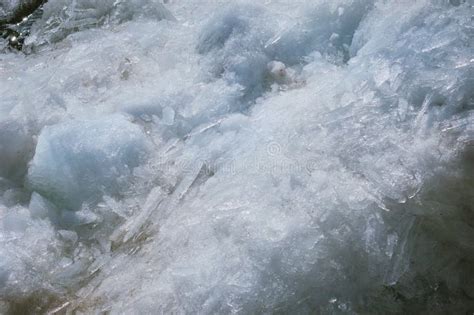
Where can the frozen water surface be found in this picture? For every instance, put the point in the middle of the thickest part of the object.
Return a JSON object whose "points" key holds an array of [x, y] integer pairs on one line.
{"points": [[204, 157]]}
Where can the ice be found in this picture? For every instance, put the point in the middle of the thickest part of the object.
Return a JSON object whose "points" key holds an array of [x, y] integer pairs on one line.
{"points": [[327, 29], [8, 8], [79, 161], [30, 261], [279, 73], [41, 208], [16, 148], [168, 116], [211, 157], [63, 17], [132, 228]]}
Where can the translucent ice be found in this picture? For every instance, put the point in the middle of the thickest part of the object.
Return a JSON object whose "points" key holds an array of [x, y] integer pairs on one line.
{"points": [[270, 157], [16, 148], [79, 161], [63, 17]]}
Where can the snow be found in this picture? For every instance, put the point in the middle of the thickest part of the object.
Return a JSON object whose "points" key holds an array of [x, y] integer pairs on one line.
{"points": [[213, 157]]}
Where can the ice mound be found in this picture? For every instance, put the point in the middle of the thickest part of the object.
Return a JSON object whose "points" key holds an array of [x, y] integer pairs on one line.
{"points": [[33, 266], [63, 17], [232, 40], [327, 28], [243, 39], [79, 161], [283, 157]]}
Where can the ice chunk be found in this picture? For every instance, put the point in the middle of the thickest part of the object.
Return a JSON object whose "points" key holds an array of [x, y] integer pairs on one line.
{"points": [[233, 39], [41, 208], [16, 220], [16, 148], [63, 17], [168, 116], [29, 246], [133, 227], [322, 29], [324, 198], [233, 21], [69, 237], [74, 219], [78, 161]]}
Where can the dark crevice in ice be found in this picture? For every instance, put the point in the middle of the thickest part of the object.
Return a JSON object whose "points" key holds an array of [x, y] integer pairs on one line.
{"points": [[17, 27]]}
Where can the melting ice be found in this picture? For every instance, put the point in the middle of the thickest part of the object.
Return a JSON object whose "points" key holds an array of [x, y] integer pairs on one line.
{"points": [[307, 157]]}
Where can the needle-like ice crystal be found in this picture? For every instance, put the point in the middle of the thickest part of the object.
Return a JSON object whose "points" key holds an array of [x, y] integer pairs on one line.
{"points": [[215, 157]]}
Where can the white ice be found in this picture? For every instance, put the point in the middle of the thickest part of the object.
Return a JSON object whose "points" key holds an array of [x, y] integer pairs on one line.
{"points": [[201, 157]]}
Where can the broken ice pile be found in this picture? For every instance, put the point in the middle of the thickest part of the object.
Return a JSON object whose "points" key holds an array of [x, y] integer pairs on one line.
{"points": [[303, 157]]}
